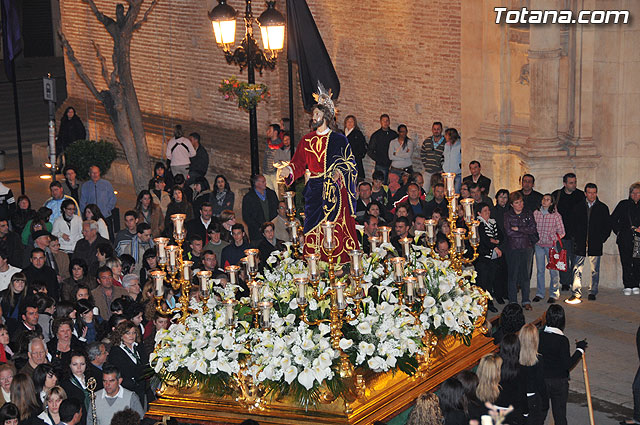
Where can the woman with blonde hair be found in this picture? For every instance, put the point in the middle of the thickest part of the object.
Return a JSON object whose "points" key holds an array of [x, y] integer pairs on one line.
{"points": [[52, 400], [532, 369], [489, 378], [426, 411]]}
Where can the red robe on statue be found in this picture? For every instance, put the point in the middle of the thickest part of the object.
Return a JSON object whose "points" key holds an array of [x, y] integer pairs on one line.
{"points": [[326, 197]]}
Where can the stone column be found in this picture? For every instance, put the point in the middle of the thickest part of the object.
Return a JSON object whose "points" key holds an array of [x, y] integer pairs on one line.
{"points": [[544, 63]]}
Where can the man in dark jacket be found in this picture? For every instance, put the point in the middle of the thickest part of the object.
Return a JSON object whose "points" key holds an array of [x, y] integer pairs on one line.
{"points": [[11, 243], [590, 227], [200, 162], [259, 205], [379, 146], [565, 200]]}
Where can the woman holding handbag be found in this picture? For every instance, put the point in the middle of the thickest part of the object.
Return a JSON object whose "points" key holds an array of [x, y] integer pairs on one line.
{"points": [[550, 230]]}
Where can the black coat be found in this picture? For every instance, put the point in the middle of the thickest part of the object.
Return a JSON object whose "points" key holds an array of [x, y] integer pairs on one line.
{"points": [[565, 205], [253, 215], [589, 231], [483, 181], [358, 143], [44, 274], [379, 146], [625, 215], [12, 245], [131, 372], [77, 393], [70, 131], [195, 227]]}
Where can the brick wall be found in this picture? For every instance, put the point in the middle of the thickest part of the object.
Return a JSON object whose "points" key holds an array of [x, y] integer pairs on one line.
{"points": [[390, 57]]}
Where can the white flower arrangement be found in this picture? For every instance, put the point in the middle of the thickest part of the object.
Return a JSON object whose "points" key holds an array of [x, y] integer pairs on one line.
{"points": [[380, 332]]}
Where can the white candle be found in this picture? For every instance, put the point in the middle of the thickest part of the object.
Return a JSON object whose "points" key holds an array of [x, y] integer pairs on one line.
{"points": [[186, 270], [265, 313], [172, 254], [356, 258], [410, 282], [251, 254], [327, 229], [459, 239], [161, 244], [255, 294], [340, 302], [449, 183], [474, 237], [406, 247], [204, 276], [312, 264], [384, 231], [233, 274], [178, 222], [158, 276], [374, 241], [302, 290], [229, 312], [421, 289], [398, 268], [289, 196], [467, 204], [454, 202]]}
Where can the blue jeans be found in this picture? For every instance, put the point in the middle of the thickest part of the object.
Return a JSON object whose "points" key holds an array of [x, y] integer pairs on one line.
{"points": [[458, 182], [578, 265], [518, 263], [385, 171], [542, 258]]}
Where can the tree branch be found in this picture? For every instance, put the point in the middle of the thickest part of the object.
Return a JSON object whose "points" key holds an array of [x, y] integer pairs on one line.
{"points": [[99, 15], [103, 62], [146, 16], [78, 67]]}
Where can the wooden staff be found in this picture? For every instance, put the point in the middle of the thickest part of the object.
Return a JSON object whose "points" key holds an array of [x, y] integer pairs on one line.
{"points": [[587, 387]]}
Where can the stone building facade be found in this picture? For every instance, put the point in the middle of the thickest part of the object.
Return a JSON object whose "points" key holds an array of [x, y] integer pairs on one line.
{"points": [[544, 99]]}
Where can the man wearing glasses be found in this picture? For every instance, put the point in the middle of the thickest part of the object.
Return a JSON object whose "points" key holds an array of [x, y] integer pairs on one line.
{"points": [[68, 226]]}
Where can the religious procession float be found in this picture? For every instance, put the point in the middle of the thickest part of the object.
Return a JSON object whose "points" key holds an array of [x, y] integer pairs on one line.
{"points": [[327, 333]]}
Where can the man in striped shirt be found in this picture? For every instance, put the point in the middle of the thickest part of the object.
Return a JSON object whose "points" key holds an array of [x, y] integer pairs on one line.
{"points": [[432, 151]]}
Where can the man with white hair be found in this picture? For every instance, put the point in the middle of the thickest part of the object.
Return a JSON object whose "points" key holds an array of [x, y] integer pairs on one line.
{"points": [[86, 248], [37, 355]]}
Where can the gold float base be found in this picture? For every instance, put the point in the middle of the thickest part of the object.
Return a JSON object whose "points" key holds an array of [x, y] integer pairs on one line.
{"points": [[386, 394]]}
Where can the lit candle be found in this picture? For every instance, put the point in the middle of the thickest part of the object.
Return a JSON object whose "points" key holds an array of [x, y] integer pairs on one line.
{"points": [[467, 204], [410, 283], [341, 304], [474, 237], [229, 310], [173, 250], [178, 223], [265, 313], [161, 244], [327, 229], [430, 227], [356, 262], [406, 247], [254, 288], [233, 274], [449, 183], [459, 239], [312, 264], [454, 202], [186, 270], [204, 276], [302, 290], [158, 276], [374, 241], [252, 263], [398, 268], [289, 197], [292, 228], [421, 289], [384, 232]]}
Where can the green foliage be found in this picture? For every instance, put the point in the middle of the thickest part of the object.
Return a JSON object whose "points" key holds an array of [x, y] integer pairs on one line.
{"points": [[82, 154]]}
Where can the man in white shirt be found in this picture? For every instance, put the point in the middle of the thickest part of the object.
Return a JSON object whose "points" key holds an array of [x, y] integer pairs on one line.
{"points": [[6, 270], [113, 397], [179, 152]]}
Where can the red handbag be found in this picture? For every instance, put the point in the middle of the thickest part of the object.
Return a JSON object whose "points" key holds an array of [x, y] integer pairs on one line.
{"points": [[557, 258]]}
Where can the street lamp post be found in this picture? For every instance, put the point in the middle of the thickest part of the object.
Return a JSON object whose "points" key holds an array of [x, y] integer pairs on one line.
{"points": [[248, 54]]}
